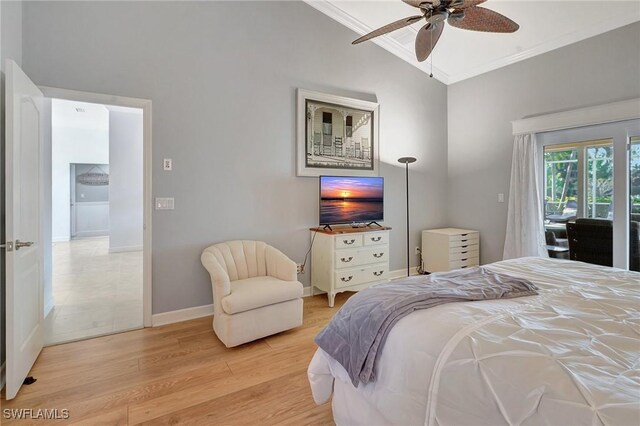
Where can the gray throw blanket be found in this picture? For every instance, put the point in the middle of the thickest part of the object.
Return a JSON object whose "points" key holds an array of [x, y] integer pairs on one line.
{"points": [[356, 334]]}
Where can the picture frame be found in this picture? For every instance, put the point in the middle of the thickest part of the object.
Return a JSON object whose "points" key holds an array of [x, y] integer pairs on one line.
{"points": [[336, 135]]}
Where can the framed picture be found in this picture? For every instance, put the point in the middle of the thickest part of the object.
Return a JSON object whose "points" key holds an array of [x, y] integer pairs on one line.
{"points": [[336, 135]]}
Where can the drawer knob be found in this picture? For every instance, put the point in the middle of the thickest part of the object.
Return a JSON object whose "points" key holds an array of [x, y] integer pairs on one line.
{"points": [[347, 259], [463, 260], [464, 235], [348, 242], [378, 273], [376, 239], [464, 241], [378, 255], [346, 279], [463, 266], [463, 252], [465, 246]]}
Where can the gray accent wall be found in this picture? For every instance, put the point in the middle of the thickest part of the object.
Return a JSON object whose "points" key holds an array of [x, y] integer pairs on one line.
{"points": [[222, 77], [10, 48], [595, 71]]}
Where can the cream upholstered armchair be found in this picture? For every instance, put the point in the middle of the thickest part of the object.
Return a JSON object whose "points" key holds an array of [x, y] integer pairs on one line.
{"points": [[255, 291]]}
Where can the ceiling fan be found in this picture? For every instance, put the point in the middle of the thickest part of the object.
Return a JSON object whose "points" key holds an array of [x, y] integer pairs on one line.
{"points": [[459, 13]]}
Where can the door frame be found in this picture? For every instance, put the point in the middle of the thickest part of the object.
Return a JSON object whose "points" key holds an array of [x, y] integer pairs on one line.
{"points": [[72, 201], [145, 105]]}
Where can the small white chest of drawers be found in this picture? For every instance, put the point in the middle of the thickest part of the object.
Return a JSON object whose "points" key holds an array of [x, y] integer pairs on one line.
{"points": [[350, 259], [450, 248]]}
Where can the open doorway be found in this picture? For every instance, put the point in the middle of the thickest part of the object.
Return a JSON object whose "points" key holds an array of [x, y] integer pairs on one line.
{"points": [[97, 221]]}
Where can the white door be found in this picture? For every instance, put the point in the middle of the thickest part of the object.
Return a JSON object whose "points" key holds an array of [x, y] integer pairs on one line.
{"points": [[24, 249]]}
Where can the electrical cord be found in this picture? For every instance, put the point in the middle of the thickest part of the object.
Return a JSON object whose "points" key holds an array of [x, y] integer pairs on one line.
{"points": [[420, 268], [304, 262]]}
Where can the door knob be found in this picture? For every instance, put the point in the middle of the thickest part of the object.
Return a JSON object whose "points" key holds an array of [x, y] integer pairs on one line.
{"points": [[21, 244]]}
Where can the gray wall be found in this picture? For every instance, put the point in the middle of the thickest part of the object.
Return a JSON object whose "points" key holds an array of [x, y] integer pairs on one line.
{"points": [[222, 78], [595, 71], [10, 48]]}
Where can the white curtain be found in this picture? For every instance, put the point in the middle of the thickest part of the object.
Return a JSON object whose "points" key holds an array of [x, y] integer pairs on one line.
{"points": [[525, 223]]}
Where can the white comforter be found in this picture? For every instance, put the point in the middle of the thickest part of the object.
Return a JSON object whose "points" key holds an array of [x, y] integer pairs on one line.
{"points": [[569, 356]]}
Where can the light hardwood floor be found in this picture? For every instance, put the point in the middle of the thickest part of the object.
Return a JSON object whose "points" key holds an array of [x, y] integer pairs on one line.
{"points": [[181, 374]]}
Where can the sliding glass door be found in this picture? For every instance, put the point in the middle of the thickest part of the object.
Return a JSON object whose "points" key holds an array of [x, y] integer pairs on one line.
{"points": [[592, 173], [634, 205]]}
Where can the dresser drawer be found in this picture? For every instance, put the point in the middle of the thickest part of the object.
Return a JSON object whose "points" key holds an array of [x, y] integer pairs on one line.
{"points": [[464, 237], [348, 277], [473, 253], [350, 258], [376, 238], [376, 272], [462, 241], [348, 240], [457, 264], [354, 276]]}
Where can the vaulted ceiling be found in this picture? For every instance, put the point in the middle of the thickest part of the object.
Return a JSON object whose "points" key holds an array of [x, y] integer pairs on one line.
{"points": [[544, 25]]}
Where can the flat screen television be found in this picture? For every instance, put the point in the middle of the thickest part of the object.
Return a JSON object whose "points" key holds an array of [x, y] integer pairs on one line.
{"points": [[345, 199]]}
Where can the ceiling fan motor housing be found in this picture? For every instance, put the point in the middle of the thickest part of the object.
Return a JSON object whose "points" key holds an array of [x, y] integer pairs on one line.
{"points": [[439, 16]]}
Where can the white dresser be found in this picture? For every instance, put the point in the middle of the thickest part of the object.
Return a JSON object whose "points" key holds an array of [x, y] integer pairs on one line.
{"points": [[450, 248], [348, 259]]}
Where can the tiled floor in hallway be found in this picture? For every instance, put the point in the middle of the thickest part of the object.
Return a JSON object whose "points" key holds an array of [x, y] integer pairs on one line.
{"points": [[95, 292]]}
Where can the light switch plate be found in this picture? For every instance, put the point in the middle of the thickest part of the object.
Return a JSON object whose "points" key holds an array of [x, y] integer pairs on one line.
{"points": [[164, 203], [167, 164], [501, 197]]}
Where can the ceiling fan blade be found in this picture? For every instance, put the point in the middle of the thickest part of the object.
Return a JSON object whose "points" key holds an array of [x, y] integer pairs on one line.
{"points": [[414, 3], [425, 4], [481, 19], [463, 4], [426, 40], [388, 28]]}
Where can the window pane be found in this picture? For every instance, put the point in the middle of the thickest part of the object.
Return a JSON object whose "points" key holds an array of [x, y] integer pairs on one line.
{"points": [[599, 182], [634, 172], [634, 190], [561, 183]]}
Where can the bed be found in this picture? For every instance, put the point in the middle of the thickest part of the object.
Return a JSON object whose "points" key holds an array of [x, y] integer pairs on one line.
{"points": [[568, 356]]}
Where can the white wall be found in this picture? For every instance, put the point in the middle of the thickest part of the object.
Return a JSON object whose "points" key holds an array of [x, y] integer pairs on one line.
{"points": [[595, 71], [126, 179], [222, 77], [76, 138]]}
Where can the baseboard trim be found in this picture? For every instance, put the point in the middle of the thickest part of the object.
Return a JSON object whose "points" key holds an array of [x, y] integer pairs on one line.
{"points": [[181, 315], [124, 249], [91, 234], [402, 273], [187, 314], [2, 375]]}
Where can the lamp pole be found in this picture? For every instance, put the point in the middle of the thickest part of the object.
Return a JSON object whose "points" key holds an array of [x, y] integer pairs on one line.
{"points": [[406, 161]]}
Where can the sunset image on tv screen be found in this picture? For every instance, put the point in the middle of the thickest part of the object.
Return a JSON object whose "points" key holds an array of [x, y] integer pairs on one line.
{"points": [[351, 199]]}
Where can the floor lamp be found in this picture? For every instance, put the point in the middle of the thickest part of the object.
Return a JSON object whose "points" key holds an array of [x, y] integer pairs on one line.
{"points": [[406, 161]]}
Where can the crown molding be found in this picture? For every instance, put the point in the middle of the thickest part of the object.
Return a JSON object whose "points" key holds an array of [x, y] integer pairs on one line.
{"points": [[386, 42], [573, 37], [391, 45], [599, 114]]}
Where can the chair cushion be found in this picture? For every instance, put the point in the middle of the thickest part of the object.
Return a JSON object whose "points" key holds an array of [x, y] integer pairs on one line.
{"points": [[256, 292]]}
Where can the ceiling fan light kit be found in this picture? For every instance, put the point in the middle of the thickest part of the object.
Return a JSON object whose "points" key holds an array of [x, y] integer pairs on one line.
{"points": [[463, 14]]}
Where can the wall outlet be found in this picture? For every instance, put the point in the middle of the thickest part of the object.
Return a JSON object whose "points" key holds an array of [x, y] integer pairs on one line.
{"points": [[167, 164], [417, 249], [300, 268], [164, 203]]}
